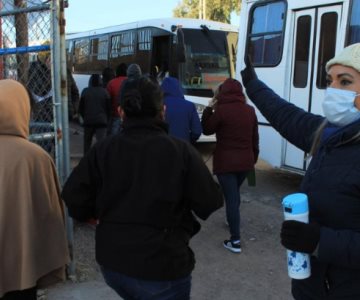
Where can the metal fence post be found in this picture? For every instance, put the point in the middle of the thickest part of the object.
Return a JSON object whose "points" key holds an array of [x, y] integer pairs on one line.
{"points": [[62, 112]]}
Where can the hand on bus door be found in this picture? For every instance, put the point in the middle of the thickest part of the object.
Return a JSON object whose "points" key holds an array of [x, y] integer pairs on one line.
{"points": [[248, 73]]}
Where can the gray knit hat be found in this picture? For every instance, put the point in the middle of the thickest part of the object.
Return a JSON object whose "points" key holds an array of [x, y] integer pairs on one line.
{"points": [[349, 57], [133, 71]]}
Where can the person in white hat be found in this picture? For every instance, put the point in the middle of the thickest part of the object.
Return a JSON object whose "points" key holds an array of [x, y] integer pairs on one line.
{"points": [[332, 180]]}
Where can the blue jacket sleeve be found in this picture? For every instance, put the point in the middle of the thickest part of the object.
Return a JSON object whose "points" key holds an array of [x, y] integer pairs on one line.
{"points": [[292, 122], [340, 247]]}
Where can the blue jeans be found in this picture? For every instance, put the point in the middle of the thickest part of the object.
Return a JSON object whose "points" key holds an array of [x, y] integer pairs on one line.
{"points": [[130, 288], [230, 184]]}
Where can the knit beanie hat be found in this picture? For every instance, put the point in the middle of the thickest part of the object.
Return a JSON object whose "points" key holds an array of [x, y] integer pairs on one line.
{"points": [[349, 57], [133, 71]]}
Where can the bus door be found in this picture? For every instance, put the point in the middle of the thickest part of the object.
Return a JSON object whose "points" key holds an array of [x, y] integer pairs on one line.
{"points": [[161, 52], [315, 41]]}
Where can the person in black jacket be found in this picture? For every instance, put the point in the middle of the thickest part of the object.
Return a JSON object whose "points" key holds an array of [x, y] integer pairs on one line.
{"points": [[332, 180], [73, 96], [95, 109], [144, 187], [41, 94]]}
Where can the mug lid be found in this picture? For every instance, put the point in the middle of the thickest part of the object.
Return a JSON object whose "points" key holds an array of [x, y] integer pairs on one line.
{"points": [[295, 203]]}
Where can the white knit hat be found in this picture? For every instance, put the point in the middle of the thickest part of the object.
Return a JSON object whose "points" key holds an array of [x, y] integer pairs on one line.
{"points": [[349, 56]]}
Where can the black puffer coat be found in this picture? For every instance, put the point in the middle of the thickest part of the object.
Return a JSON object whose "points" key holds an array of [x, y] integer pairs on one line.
{"points": [[143, 186], [95, 106], [332, 183]]}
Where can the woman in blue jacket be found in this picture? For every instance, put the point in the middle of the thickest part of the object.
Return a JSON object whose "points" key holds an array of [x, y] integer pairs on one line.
{"points": [[332, 180]]}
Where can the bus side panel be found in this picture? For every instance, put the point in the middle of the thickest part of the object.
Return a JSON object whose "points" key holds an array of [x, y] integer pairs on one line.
{"points": [[82, 81], [270, 145], [271, 142]]}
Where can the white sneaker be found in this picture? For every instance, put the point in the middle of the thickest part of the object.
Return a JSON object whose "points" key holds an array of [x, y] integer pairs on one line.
{"points": [[233, 246]]}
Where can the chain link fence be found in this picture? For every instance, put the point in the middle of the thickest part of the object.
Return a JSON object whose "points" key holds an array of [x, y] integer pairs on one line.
{"points": [[32, 51], [26, 34]]}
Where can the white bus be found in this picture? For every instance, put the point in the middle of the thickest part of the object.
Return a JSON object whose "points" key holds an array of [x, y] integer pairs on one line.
{"points": [[289, 43], [201, 53]]}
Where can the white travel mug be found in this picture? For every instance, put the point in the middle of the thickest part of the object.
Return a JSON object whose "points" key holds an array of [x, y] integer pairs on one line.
{"points": [[296, 208]]}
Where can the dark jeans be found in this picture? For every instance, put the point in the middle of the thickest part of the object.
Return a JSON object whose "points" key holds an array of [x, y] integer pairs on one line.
{"points": [[89, 131], [130, 288], [28, 294], [230, 184]]}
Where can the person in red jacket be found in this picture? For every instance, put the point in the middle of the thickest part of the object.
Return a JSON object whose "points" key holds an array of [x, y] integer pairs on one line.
{"points": [[237, 148], [113, 88]]}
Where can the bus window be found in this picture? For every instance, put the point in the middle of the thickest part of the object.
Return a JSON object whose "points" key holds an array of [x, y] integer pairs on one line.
{"points": [[207, 61], [354, 23], [144, 39], [98, 53], [302, 51], [265, 39], [123, 44], [68, 46], [94, 48], [82, 51], [102, 53], [327, 45]]}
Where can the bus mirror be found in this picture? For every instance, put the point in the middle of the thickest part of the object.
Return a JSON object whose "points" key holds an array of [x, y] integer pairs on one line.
{"points": [[180, 46]]}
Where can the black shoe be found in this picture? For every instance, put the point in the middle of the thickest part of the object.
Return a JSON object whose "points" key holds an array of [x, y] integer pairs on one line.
{"points": [[233, 246]]}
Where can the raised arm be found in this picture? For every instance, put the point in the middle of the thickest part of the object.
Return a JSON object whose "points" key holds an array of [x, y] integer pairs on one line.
{"points": [[292, 122]]}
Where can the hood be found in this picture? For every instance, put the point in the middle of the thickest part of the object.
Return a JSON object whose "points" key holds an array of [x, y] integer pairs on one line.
{"points": [[133, 71], [14, 109], [230, 91], [171, 87]]}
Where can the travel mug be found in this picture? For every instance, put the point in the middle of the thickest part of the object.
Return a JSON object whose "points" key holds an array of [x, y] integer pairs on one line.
{"points": [[295, 207]]}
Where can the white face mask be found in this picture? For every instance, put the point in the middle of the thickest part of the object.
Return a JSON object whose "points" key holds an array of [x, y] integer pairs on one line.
{"points": [[339, 107]]}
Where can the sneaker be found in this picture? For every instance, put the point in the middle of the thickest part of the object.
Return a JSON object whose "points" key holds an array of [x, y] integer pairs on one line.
{"points": [[233, 246]]}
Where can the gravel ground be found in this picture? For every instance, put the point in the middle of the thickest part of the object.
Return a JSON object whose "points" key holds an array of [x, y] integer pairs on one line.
{"points": [[84, 253]]}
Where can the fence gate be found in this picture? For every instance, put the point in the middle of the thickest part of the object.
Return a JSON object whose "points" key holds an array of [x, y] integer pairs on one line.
{"points": [[32, 51]]}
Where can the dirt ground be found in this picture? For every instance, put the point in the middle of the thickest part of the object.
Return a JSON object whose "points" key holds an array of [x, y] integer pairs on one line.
{"points": [[257, 273]]}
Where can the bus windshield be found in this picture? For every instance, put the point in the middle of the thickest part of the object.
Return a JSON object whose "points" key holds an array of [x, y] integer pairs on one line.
{"points": [[207, 61]]}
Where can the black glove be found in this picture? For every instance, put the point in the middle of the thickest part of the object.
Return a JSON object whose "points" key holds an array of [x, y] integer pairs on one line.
{"points": [[300, 237], [248, 73]]}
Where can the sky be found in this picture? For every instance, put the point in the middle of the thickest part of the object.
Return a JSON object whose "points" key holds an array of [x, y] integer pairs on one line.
{"points": [[82, 15]]}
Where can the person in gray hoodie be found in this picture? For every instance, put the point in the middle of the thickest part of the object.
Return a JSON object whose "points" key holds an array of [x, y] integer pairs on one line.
{"points": [[133, 72]]}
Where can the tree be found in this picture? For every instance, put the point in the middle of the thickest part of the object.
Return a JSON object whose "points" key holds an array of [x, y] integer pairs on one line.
{"points": [[216, 10]]}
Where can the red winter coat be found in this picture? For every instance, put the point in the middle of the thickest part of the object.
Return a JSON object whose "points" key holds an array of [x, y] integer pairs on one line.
{"points": [[235, 124]]}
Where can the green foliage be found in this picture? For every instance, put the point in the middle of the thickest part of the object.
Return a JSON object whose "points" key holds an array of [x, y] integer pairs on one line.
{"points": [[216, 10]]}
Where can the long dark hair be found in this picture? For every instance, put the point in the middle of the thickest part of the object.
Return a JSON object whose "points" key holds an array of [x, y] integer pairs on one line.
{"points": [[141, 98]]}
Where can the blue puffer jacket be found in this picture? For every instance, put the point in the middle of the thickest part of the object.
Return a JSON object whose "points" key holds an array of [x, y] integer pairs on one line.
{"points": [[181, 114], [332, 183]]}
